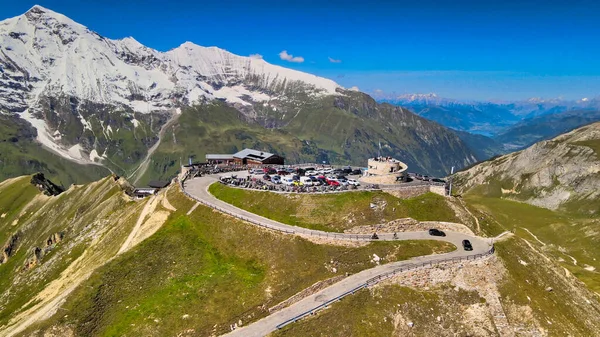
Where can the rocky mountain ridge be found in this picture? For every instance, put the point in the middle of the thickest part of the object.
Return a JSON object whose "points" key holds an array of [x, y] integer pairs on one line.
{"points": [[561, 173]]}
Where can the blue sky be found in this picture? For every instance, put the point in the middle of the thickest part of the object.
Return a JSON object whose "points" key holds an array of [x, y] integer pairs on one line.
{"points": [[459, 49]]}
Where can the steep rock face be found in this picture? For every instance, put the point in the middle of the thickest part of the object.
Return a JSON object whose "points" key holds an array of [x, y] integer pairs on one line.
{"points": [[562, 172], [46, 186]]}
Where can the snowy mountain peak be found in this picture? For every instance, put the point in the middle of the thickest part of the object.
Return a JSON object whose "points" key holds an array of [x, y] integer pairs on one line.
{"points": [[45, 55], [422, 99]]}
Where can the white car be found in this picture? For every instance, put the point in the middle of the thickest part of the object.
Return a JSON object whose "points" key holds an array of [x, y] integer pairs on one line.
{"points": [[306, 181], [310, 173], [353, 182], [276, 179], [288, 181]]}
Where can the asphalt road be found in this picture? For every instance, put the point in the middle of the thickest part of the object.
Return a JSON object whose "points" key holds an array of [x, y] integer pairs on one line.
{"points": [[198, 189]]}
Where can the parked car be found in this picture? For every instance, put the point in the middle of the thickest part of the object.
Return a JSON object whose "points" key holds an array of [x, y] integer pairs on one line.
{"points": [[436, 232], [298, 183], [467, 245], [310, 173], [290, 170], [332, 182], [437, 180], [283, 172], [288, 181], [353, 182], [347, 169], [322, 180], [257, 171], [356, 172], [276, 179], [267, 177], [314, 180], [306, 181], [296, 177], [342, 180]]}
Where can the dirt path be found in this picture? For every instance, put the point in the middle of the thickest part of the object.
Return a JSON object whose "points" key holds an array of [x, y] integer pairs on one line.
{"points": [[141, 169], [148, 209], [471, 214]]}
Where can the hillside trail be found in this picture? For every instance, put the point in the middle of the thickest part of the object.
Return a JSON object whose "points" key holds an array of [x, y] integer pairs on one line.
{"points": [[462, 203], [53, 296], [148, 209], [143, 167]]}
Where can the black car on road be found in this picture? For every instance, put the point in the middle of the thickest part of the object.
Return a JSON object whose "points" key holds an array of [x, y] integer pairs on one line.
{"points": [[467, 245], [436, 232]]}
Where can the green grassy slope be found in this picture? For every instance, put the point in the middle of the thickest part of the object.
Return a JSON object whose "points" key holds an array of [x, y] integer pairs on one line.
{"points": [[385, 310], [202, 272], [335, 212], [95, 211], [565, 236], [20, 154], [373, 313], [343, 130]]}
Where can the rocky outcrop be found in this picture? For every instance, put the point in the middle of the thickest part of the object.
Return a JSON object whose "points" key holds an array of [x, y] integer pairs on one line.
{"points": [[37, 254], [34, 259], [45, 185], [9, 247]]}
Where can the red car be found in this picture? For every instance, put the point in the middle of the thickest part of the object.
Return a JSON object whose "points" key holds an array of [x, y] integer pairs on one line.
{"points": [[282, 173], [332, 183]]}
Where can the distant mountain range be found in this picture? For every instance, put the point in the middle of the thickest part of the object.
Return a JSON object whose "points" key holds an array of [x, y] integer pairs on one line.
{"points": [[71, 97], [508, 126]]}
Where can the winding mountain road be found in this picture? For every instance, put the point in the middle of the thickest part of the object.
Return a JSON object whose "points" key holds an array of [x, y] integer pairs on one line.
{"points": [[197, 188]]}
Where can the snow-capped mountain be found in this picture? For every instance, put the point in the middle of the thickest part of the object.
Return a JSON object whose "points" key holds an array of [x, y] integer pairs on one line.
{"points": [[422, 99], [139, 112], [46, 55]]}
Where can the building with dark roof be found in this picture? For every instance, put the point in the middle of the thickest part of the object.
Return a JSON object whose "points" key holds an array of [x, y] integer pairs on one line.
{"points": [[246, 157]]}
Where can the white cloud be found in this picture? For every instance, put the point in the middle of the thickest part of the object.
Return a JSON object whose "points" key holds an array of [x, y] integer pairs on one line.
{"points": [[256, 56], [290, 58], [332, 60]]}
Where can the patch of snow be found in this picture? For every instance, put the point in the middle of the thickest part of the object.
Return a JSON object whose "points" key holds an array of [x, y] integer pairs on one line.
{"points": [[523, 262], [535, 237], [572, 258], [376, 259], [94, 155], [3, 216], [589, 268], [75, 151], [135, 123]]}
